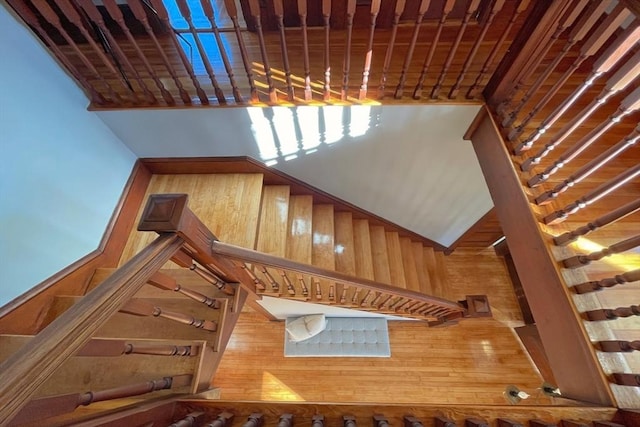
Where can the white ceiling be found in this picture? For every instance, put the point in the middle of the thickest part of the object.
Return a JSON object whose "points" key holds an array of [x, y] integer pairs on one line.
{"points": [[408, 164]]}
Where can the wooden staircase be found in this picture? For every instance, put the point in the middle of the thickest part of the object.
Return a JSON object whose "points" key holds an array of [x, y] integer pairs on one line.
{"points": [[272, 220]]}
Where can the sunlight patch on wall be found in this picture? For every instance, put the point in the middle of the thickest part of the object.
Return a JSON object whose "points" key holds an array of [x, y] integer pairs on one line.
{"points": [[284, 133]]}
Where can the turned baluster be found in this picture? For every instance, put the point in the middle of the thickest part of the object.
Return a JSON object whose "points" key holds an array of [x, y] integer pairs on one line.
{"points": [[567, 19], [303, 286], [442, 422], [447, 7], [52, 18], [326, 17], [471, 10], [398, 303], [380, 420], [116, 14], [332, 293], [186, 261], [74, 17], [505, 422], [597, 285], [592, 196], [632, 380], [316, 284], [279, 12], [355, 298], [317, 421], [32, 20], [375, 8], [603, 221], [386, 301], [232, 11], [411, 421], [302, 13], [286, 420], [348, 421], [186, 14], [110, 348], [497, 6], [390, 46], [94, 14], [475, 422], [290, 289], [422, 9], [612, 314], [275, 286], [623, 246], [138, 307], [163, 15], [629, 104], [618, 346], [254, 420], [365, 301], [141, 15], [584, 24], [222, 420], [209, 13], [259, 284], [159, 350], [190, 420], [473, 90], [376, 300], [346, 62], [589, 48], [616, 82], [168, 283], [590, 167]]}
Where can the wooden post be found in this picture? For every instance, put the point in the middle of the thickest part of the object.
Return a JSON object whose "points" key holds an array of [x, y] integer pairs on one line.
{"points": [[223, 419], [571, 356], [191, 420]]}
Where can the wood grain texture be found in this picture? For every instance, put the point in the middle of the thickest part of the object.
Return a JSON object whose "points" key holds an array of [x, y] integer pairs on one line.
{"points": [[421, 268], [299, 229], [409, 264], [362, 245], [396, 266], [344, 252], [380, 255], [322, 252]]}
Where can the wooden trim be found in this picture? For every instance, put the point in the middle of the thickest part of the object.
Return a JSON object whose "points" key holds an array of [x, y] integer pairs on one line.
{"points": [[137, 414], [22, 315], [568, 347], [479, 224], [244, 164]]}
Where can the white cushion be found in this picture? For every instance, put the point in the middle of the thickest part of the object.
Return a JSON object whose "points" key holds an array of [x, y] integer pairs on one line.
{"points": [[306, 327]]}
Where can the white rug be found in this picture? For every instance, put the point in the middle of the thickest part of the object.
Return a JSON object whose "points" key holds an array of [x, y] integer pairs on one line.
{"points": [[344, 337]]}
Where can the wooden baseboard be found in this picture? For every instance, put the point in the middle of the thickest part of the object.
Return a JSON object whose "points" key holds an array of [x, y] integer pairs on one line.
{"points": [[23, 314], [244, 164]]}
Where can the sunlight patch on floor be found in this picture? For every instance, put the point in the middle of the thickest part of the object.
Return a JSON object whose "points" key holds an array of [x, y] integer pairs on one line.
{"points": [[274, 389]]}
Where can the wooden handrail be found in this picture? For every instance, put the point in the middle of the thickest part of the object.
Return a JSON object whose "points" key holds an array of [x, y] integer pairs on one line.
{"points": [[590, 167], [616, 248], [61, 404], [254, 257], [22, 373], [592, 196], [620, 279]]}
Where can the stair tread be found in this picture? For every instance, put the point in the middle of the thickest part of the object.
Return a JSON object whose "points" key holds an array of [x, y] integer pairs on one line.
{"points": [[362, 249], [421, 268], [409, 264], [233, 218], [299, 229], [272, 225], [379, 253], [344, 253], [322, 254], [396, 265]]}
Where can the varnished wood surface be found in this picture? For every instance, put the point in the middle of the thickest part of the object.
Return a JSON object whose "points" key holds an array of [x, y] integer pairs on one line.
{"points": [[362, 244], [303, 412], [380, 255], [469, 363], [396, 266]]}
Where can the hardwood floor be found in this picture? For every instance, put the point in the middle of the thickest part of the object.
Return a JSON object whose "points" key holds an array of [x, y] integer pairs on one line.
{"points": [[468, 363]]}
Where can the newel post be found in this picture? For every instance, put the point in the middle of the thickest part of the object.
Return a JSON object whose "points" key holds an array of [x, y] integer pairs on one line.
{"points": [[170, 213], [572, 359]]}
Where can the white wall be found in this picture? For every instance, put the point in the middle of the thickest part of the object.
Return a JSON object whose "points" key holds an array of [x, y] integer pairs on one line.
{"points": [[62, 171]]}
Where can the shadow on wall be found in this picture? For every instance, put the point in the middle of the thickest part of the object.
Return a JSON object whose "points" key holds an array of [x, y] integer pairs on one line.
{"points": [[284, 134]]}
